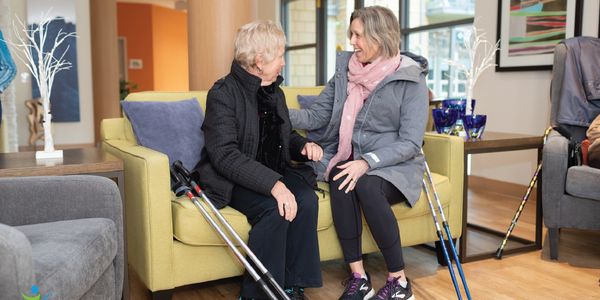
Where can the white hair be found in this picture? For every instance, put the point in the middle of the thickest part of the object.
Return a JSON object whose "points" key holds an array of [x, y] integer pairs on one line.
{"points": [[259, 37]]}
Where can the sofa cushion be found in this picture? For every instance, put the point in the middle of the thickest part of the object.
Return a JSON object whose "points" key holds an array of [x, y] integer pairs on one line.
{"points": [[70, 256], [173, 128], [190, 227], [442, 186], [584, 182]]}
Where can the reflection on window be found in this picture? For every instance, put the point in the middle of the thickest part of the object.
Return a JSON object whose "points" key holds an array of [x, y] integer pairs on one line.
{"points": [[338, 18], [301, 64], [299, 23], [439, 46], [393, 5], [301, 20], [423, 13], [446, 23]]}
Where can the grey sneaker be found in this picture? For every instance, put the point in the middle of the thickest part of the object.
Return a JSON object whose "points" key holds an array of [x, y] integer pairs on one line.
{"points": [[357, 288], [392, 290]]}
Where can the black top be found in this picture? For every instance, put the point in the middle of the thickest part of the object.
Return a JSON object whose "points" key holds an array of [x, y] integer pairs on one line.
{"points": [[269, 146], [232, 136]]}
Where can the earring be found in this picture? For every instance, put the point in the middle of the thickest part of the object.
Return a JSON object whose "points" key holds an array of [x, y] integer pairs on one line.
{"points": [[260, 71]]}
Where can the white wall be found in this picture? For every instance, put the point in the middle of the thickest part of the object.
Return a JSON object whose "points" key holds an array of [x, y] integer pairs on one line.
{"points": [[516, 102], [72, 132]]}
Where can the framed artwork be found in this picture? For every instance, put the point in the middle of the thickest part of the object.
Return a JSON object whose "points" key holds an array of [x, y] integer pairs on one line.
{"points": [[64, 98], [529, 29]]}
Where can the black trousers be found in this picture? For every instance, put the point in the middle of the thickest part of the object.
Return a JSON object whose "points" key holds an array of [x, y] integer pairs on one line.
{"points": [[372, 196], [289, 250]]}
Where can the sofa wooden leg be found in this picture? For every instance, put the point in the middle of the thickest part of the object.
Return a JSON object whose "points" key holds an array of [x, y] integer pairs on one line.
{"points": [[439, 252], [162, 295], [553, 236]]}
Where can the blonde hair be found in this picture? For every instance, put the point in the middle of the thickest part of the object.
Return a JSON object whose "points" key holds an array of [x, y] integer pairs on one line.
{"points": [[381, 27], [259, 37]]}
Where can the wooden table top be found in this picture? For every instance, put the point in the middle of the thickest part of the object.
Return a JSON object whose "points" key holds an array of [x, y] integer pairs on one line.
{"points": [[74, 161], [501, 141]]}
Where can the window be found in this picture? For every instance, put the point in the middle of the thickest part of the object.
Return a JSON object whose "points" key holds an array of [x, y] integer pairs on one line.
{"points": [[300, 26], [436, 29]]}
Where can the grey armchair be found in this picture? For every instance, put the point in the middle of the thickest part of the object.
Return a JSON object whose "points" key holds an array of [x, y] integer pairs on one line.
{"points": [[63, 234], [571, 196]]}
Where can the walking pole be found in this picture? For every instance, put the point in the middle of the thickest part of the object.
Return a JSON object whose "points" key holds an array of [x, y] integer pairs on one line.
{"points": [[447, 229], [183, 175], [515, 219], [443, 245]]}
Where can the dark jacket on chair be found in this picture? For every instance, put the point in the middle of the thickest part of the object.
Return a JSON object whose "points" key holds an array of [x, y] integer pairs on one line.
{"points": [[231, 132]]}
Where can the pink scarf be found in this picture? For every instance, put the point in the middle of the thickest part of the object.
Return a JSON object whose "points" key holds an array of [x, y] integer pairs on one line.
{"points": [[362, 79]]}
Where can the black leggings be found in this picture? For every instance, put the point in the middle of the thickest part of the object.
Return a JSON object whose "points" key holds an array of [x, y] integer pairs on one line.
{"points": [[373, 196]]}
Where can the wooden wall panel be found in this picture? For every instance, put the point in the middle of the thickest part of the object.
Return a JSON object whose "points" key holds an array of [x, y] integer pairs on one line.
{"points": [[105, 72], [212, 25]]}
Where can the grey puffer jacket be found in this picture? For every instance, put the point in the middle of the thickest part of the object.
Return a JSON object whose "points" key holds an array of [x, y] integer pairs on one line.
{"points": [[389, 129]]}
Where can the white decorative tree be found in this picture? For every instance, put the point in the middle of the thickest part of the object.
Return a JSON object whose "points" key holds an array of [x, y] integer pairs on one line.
{"points": [[481, 55], [39, 53]]}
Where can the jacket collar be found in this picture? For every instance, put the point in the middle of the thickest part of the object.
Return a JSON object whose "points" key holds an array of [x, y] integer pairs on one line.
{"points": [[248, 81]]}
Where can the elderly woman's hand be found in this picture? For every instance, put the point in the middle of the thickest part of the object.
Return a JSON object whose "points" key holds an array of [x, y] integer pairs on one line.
{"points": [[286, 202], [354, 169], [312, 151]]}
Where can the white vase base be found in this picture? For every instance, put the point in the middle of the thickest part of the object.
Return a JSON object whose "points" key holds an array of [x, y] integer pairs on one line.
{"points": [[48, 154]]}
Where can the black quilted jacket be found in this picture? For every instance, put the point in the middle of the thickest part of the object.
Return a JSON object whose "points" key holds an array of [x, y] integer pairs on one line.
{"points": [[231, 132]]}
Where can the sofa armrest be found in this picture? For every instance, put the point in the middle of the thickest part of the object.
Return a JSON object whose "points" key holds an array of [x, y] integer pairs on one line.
{"points": [[445, 156], [112, 129], [147, 210], [554, 174], [16, 273]]}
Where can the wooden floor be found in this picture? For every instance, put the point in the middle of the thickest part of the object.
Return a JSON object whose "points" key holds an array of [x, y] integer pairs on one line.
{"points": [[532, 275]]}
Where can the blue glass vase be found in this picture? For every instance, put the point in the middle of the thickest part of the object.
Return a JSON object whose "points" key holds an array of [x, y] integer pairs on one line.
{"points": [[461, 105], [445, 119], [474, 125], [458, 103]]}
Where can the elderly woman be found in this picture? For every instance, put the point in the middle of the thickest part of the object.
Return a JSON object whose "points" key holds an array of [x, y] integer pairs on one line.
{"points": [[375, 112], [246, 165]]}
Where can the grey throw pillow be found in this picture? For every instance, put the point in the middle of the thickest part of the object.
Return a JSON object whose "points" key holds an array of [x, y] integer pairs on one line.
{"points": [[173, 128], [306, 101]]}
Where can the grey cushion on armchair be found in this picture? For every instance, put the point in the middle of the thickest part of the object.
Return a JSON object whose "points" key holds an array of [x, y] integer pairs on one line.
{"points": [[63, 234]]}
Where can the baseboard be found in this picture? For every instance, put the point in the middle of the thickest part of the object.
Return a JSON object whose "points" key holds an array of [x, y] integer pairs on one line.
{"points": [[500, 187]]}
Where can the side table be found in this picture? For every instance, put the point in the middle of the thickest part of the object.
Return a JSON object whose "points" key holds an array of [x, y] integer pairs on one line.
{"points": [[83, 161], [501, 142]]}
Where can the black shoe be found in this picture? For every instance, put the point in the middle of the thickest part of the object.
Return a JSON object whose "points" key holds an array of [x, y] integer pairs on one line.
{"points": [[296, 293], [357, 288], [392, 290]]}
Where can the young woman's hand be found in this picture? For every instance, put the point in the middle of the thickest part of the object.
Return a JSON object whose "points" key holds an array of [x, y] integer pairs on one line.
{"points": [[312, 151], [354, 170], [286, 202]]}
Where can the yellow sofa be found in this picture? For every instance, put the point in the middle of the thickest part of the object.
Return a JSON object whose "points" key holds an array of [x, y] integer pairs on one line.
{"points": [[170, 244]]}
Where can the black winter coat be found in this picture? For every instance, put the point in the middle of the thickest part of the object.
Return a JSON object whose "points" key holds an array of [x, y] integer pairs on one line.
{"points": [[231, 133]]}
